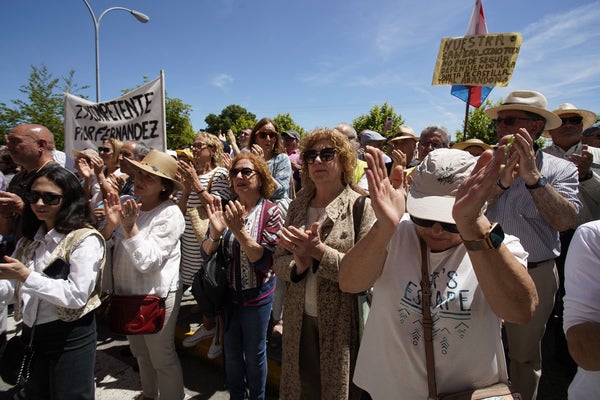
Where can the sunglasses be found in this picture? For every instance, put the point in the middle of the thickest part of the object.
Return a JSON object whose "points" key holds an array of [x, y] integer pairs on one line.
{"points": [[104, 150], [324, 155], [434, 145], [263, 135], [49, 199], [246, 172], [427, 223], [510, 121], [199, 145], [571, 120]]}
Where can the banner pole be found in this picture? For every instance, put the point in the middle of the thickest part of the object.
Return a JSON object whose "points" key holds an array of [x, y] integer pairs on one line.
{"points": [[467, 114]]}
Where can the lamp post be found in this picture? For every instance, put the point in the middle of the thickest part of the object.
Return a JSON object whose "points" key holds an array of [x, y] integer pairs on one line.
{"points": [[143, 18]]}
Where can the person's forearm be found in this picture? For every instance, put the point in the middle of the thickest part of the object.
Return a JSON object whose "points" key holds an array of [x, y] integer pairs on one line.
{"points": [[584, 345], [254, 251], [506, 284], [557, 211], [363, 263], [183, 200]]}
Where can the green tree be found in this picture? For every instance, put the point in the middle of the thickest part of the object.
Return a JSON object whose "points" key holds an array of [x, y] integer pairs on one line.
{"points": [[232, 117], [285, 122], [43, 103], [180, 132], [375, 120], [480, 125]]}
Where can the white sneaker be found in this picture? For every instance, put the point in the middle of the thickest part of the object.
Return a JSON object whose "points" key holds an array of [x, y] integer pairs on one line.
{"points": [[198, 336], [215, 349]]}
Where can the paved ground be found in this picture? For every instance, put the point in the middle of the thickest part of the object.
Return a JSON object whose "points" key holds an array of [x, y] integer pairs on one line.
{"points": [[117, 379]]}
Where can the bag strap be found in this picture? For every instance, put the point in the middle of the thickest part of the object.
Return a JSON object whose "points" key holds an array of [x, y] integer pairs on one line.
{"points": [[427, 321], [358, 209]]}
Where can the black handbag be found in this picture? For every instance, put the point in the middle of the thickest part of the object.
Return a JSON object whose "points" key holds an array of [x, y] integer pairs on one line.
{"points": [[15, 360], [210, 285]]}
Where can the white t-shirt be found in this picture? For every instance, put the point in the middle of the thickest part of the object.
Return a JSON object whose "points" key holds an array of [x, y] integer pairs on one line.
{"points": [[582, 298], [466, 333]]}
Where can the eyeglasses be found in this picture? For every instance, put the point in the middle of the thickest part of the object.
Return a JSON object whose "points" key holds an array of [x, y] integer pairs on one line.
{"points": [[427, 223], [246, 172], [324, 155], [104, 150], [571, 120], [199, 145], [263, 135], [434, 145], [510, 121], [49, 199]]}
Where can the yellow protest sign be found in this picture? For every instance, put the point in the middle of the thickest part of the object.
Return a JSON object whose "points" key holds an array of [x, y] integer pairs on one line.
{"points": [[481, 60]]}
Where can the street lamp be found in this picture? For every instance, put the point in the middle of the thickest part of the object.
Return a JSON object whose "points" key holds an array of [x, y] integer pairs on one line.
{"points": [[143, 18]]}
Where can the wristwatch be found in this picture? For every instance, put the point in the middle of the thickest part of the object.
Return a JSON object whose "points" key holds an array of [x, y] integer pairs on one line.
{"points": [[540, 183], [492, 239]]}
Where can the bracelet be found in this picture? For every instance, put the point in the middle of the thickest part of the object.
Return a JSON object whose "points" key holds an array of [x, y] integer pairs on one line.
{"points": [[215, 240], [500, 185]]}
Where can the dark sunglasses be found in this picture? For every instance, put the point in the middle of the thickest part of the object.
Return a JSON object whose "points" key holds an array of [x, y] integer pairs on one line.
{"points": [[246, 172], [324, 155], [434, 145], [199, 145], [263, 135], [427, 223], [571, 120], [104, 150], [49, 199], [510, 121]]}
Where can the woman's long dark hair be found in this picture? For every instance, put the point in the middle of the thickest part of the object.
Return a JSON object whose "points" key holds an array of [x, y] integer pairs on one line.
{"points": [[75, 211]]}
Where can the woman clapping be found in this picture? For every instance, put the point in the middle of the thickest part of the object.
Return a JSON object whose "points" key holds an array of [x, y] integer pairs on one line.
{"points": [[146, 260], [248, 229]]}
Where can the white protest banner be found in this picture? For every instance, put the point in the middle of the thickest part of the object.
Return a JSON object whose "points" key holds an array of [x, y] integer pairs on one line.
{"points": [[481, 60], [138, 115]]}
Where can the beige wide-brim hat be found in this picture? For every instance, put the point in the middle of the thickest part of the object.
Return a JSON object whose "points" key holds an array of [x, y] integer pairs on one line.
{"points": [[404, 132], [88, 154], [471, 142], [527, 100], [589, 117], [159, 164]]}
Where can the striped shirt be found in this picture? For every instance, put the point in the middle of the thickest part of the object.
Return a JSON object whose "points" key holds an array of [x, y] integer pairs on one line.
{"points": [[518, 215], [191, 257]]}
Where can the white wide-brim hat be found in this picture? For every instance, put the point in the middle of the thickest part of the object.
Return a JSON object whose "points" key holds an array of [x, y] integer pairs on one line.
{"points": [[527, 100]]}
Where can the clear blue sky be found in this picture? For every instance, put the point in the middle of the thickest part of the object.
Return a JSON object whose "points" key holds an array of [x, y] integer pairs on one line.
{"points": [[322, 61]]}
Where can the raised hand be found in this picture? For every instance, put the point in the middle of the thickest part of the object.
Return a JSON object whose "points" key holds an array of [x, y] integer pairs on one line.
{"points": [[216, 217], [388, 203], [257, 150], [235, 214], [474, 191]]}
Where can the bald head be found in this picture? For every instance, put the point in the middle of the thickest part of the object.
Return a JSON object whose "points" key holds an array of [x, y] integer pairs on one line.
{"points": [[349, 131], [30, 145]]}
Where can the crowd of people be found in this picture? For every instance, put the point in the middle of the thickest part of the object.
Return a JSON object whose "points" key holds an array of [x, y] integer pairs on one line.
{"points": [[356, 253]]}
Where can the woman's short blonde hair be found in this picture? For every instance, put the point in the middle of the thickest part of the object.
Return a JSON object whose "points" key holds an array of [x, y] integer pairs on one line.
{"points": [[216, 145], [268, 185], [345, 152], [116, 145]]}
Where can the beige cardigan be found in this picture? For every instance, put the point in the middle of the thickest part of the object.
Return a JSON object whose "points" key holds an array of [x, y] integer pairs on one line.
{"points": [[338, 312]]}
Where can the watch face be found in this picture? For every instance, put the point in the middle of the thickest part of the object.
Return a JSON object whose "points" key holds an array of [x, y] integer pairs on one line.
{"points": [[543, 181], [497, 236]]}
